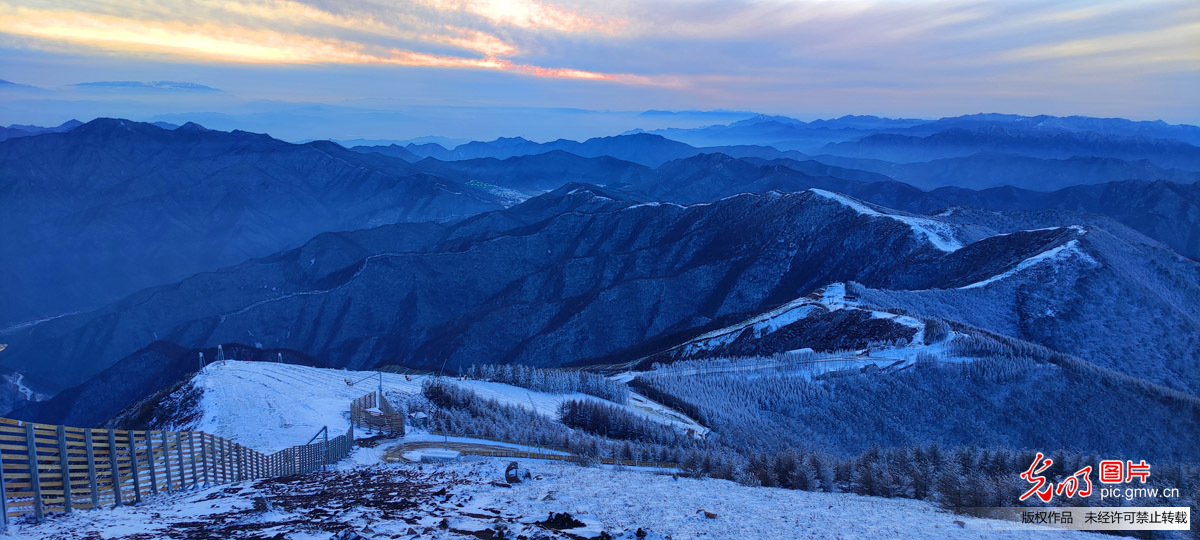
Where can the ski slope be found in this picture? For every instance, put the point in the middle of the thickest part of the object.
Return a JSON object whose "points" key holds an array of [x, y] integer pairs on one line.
{"points": [[269, 406]]}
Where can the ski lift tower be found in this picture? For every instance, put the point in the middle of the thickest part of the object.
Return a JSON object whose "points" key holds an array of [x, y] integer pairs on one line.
{"points": [[378, 374]]}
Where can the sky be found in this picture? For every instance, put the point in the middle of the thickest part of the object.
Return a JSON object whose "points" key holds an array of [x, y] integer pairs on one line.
{"points": [[481, 68]]}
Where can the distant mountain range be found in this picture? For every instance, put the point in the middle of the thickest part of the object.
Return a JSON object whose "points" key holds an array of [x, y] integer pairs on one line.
{"points": [[978, 152], [165, 86], [791, 134], [107, 208], [959, 142], [644, 149], [1163, 210], [19, 130], [989, 170]]}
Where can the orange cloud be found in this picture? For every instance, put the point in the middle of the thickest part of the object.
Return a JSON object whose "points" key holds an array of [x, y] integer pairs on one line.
{"points": [[529, 14], [229, 43], [481, 42]]}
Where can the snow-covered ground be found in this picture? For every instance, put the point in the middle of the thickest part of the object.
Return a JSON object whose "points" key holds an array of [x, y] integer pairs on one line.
{"points": [[268, 406], [467, 499]]}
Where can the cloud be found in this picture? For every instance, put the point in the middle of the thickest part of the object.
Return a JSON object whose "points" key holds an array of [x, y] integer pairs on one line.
{"points": [[216, 38], [771, 54], [481, 42], [529, 14]]}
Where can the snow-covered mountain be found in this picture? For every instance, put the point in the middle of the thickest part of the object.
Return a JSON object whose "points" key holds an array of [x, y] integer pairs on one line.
{"points": [[581, 259], [269, 406]]}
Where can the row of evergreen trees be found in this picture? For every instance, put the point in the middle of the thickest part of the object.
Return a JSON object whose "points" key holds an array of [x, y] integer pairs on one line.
{"points": [[959, 478], [458, 410], [612, 422], [552, 381]]}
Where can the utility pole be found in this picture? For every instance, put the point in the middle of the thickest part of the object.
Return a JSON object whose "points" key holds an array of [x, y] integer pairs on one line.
{"points": [[201, 361]]}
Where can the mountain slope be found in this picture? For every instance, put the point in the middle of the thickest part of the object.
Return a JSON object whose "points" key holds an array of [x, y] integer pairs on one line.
{"points": [[1165, 211], [538, 173], [114, 206], [578, 276], [521, 285]]}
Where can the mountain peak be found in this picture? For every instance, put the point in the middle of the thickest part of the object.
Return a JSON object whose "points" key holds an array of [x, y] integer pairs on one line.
{"points": [[191, 126]]}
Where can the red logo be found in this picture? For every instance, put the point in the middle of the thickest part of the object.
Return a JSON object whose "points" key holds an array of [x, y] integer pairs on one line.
{"points": [[1140, 470], [1112, 471], [1032, 477]]}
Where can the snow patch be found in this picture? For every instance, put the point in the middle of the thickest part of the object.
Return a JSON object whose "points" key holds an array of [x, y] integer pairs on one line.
{"points": [[1053, 255], [941, 235], [270, 406]]}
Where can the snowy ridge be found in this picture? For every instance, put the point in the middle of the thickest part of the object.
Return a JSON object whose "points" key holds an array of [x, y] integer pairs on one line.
{"points": [[941, 235], [829, 299], [1053, 255], [269, 406]]}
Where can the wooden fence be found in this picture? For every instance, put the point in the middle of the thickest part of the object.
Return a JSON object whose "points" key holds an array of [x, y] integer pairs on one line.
{"points": [[370, 412], [56, 469]]}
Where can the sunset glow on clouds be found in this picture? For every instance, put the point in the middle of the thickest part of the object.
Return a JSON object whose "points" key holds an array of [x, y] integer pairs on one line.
{"points": [[911, 56], [289, 32]]}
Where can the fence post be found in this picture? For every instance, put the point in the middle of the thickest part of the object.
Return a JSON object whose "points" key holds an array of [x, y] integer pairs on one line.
{"points": [[3, 499], [191, 438], [222, 459], [241, 461], [65, 470], [150, 458], [204, 456], [113, 466], [93, 486], [34, 474], [166, 450], [133, 462], [179, 452], [218, 465]]}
